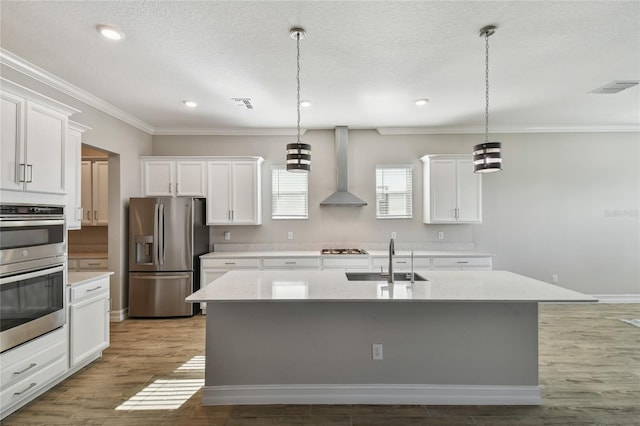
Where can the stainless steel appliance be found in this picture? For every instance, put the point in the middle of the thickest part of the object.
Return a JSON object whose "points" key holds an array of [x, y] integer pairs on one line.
{"points": [[32, 272], [343, 251], [166, 238]]}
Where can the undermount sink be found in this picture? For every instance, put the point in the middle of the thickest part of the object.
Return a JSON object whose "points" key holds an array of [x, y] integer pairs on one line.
{"points": [[377, 276]]}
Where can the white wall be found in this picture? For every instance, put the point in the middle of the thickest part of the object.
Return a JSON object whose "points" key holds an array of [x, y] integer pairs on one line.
{"points": [[565, 204], [125, 144]]}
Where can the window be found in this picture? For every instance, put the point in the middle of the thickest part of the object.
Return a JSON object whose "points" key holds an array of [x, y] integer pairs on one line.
{"points": [[394, 199], [290, 194]]}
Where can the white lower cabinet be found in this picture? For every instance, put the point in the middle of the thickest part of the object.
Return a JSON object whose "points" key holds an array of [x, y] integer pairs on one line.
{"points": [[88, 320], [400, 263], [347, 263], [462, 263], [212, 269], [291, 263], [29, 369]]}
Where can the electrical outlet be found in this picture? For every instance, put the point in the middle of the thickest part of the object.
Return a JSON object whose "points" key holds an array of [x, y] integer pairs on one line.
{"points": [[554, 279], [393, 235], [290, 235], [376, 351], [440, 235], [227, 236]]}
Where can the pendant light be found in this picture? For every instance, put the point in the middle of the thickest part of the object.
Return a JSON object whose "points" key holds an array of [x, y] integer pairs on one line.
{"points": [[487, 156], [298, 154]]}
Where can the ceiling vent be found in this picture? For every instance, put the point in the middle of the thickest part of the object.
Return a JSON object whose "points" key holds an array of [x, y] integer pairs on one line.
{"points": [[614, 87], [243, 102]]}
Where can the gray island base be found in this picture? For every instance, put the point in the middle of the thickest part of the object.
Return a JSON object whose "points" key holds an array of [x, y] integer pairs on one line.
{"points": [[306, 337]]}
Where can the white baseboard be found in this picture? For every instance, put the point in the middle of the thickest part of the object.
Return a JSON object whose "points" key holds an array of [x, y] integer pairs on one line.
{"points": [[617, 298], [117, 316], [372, 394]]}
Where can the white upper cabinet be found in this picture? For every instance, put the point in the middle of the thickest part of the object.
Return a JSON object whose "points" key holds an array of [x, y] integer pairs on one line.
{"points": [[173, 177], [95, 192], [73, 156], [452, 191], [34, 140], [234, 191]]}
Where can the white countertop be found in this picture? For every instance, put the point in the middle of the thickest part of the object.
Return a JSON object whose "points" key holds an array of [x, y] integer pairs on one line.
{"points": [[333, 286], [76, 278], [316, 253]]}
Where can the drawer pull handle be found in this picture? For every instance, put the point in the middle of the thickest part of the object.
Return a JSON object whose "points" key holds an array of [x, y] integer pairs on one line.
{"points": [[229, 263], [23, 391], [93, 264], [94, 289], [289, 263], [403, 262], [463, 262], [33, 364]]}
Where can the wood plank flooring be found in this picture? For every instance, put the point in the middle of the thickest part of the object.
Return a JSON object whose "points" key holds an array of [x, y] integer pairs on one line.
{"points": [[589, 372]]}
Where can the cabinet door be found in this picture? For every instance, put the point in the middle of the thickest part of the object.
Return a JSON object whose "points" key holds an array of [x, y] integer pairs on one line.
{"points": [[469, 193], [89, 327], [74, 182], [100, 188], [443, 193], [246, 194], [158, 178], [86, 192], [218, 193], [46, 137], [190, 179], [12, 166]]}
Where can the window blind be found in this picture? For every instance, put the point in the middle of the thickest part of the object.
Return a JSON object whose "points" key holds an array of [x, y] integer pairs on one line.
{"points": [[394, 192], [290, 194]]}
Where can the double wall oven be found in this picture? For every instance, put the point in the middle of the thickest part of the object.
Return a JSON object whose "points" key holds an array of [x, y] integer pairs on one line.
{"points": [[32, 272]]}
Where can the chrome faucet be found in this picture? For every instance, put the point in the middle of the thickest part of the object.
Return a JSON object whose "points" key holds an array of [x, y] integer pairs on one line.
{"points": [[392, 251]]}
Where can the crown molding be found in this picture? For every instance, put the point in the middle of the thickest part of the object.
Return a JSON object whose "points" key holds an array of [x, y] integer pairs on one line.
{"points": [[255, 131], [22, 66], [387, 131]]}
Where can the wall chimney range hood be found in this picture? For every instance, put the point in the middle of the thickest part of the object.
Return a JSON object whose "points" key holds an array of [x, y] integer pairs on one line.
{"points": [[342, 197]]}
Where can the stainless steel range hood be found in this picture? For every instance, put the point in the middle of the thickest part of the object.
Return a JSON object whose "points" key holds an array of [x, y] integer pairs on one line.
{"points": [[342, 197]]}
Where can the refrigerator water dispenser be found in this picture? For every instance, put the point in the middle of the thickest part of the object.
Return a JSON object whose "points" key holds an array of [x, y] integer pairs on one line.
{"points": [[144, 249]]}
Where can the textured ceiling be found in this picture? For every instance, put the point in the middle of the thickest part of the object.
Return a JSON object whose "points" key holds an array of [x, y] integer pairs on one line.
{"points": [[363, 63]]}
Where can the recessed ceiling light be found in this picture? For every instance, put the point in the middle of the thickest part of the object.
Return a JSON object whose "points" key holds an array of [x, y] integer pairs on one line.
{"points": [[422, 102], [110, 32], [305, 104], [190, 104]]}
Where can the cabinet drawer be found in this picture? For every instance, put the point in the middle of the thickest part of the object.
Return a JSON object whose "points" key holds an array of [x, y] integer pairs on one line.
{"points": [[289, 263], [72, 264], [345, 263], [35, 359], [401, 263], [31, 384], [92, 264], [89, 289], [235, 263], [462, 263]]}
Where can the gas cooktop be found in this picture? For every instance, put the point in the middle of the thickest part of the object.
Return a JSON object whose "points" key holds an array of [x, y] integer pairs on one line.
{"points": [[344, 251]]}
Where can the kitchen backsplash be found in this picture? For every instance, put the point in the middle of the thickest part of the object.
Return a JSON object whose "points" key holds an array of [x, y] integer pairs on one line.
{"points": [[399, 245]]}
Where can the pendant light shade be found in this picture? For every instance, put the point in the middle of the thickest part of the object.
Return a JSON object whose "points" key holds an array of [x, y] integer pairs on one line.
{"points": [[487, 156], [298, 154]]}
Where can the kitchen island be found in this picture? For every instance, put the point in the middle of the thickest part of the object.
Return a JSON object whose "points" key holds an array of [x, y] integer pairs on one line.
{"points": [[310, 337]]}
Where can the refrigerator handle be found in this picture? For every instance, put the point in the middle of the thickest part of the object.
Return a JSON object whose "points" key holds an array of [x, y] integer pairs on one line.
{"points": [[161, 232], [156, 241]]}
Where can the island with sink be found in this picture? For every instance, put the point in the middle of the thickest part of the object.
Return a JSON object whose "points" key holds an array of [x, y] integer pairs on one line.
{"points": [[336, 337]]}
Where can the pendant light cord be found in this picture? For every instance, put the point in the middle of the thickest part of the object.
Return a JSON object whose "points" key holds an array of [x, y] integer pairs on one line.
{"points": [[486, 110], [298, 80]]}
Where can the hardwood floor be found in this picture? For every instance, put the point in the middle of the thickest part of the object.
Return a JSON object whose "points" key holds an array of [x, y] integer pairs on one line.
{"points": [[589, 372]]}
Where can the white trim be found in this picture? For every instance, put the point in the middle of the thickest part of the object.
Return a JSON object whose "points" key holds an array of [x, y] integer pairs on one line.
{"points": [[15, 62], [117, 316], [257, 131], [477, 130], [372, 394], [30, 95], [617, 298]]}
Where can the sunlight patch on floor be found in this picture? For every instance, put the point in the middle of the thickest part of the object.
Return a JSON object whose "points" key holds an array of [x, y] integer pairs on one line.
{"points": [[195, 364], [165, 394]]}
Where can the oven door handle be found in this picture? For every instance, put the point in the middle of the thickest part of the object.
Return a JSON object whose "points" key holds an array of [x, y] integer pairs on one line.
{"points": [[29, 275], [29, 223]]}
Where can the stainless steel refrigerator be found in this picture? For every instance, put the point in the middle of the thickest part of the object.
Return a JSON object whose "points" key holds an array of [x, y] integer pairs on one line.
{"points": [[166, 238]]}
